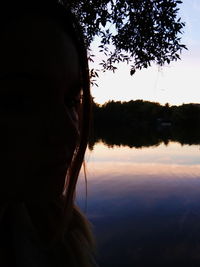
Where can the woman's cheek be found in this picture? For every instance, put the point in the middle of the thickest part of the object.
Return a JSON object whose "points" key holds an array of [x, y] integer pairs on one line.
{"points": [[61, 134], [52, 151], [36, 151]]}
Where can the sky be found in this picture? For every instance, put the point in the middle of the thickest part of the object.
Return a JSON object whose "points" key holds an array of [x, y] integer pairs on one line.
{"points": [[176, 83]]}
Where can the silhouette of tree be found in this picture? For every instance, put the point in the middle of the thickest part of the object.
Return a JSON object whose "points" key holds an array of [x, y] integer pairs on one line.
{"points": [[138, 32]]}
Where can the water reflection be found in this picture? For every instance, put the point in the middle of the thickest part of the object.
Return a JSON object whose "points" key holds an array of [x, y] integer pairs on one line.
{"points": [[144, 204], [144, 137]]}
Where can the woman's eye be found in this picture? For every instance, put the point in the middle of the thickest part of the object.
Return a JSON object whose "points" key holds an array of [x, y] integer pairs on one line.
{"points": [[72, 102]]}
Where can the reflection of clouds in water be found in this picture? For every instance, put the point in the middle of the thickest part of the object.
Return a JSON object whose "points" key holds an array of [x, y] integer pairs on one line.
{"points": [[147, 210], [174, 153], [149, 178], [130, 186]]}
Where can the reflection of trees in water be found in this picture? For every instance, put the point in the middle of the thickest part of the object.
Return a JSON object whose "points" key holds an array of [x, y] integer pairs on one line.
{"points": [[144, 137]]}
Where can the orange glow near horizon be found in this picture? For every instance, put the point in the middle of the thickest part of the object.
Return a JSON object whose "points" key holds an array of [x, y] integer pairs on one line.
{"points": [[148, 174], [174, 84], [169, 161]]}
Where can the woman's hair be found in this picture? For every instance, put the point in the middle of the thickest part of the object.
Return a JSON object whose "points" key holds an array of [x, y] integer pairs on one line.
{"points": [[61, 220]]}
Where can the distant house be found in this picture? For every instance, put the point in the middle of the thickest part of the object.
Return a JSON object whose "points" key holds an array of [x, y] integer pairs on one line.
{"points": [[163, 123]]}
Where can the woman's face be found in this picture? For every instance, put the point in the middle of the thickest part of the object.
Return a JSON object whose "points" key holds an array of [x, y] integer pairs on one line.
{"points": [[39, 90]]}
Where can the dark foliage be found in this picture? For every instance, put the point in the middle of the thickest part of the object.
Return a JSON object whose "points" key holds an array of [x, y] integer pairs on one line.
{"points": [[138, 32], [142, 123]]}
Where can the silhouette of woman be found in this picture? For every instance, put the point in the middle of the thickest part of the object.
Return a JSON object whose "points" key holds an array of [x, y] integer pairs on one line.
{"points": [[44, 120]]}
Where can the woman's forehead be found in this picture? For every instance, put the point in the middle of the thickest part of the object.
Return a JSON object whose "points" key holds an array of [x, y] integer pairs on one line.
{"points": [[39, 46]]}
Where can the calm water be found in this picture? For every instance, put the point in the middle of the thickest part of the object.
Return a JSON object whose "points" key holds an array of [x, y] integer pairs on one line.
{"points": [[144, 204]]}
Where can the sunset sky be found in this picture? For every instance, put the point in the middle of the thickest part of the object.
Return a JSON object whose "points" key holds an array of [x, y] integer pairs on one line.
{"points": [[176, 83]]}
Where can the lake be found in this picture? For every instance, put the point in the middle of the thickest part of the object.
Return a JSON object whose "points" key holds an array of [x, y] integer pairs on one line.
{"points": [[144, 204]]}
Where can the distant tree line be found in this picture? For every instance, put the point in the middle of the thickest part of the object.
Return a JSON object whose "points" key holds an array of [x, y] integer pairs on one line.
{"points": [[144, 123], [141, 113]]}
